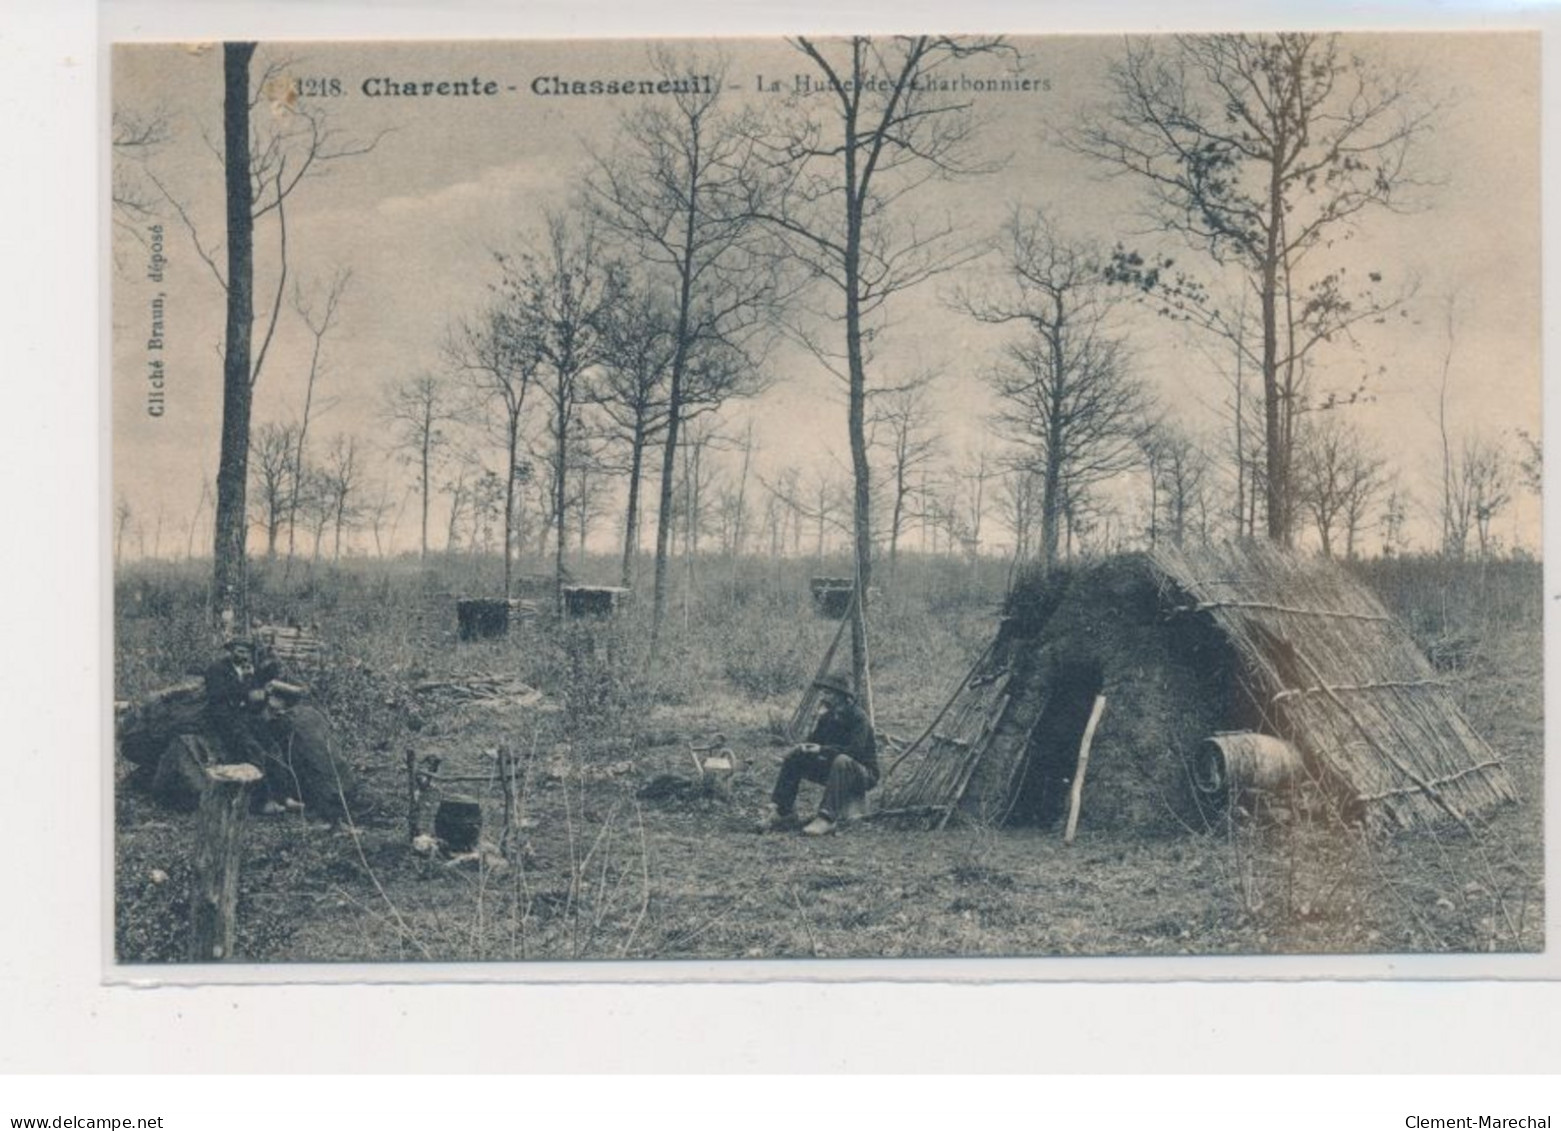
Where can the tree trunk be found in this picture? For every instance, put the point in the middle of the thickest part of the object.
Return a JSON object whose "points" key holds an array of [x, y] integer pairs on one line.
{"points": [[560, 488], [509, 504], [856, 418], [1277, 489], [1052, 501], [895, 521], [230, 588], [298, 453], [631, 521], [427, 483], [675, 404]]}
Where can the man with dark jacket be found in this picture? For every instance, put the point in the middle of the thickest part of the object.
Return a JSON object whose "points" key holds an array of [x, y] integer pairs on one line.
{"points": [[235, 714], [840, 754]]}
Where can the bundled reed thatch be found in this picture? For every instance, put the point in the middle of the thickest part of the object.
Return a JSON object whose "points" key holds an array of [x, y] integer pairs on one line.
{"points": [[1329, 669], [1184, 643]]}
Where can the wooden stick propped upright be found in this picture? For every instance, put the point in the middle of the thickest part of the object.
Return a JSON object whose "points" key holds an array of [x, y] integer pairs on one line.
{"points": [[219, 837], [1077, 794]]}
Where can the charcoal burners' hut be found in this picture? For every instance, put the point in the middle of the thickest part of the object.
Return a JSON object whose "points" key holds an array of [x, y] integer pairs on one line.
{"points": [[1186, 645]]}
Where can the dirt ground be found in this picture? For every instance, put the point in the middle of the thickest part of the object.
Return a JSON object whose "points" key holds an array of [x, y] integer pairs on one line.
{"points": [[618, 854]]}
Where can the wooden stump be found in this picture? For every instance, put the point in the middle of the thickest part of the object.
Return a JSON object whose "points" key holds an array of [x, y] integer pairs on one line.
{"points": [[219, 832]]}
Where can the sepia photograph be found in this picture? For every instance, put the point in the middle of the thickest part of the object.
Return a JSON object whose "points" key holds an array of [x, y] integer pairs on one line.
{"points": [[883, 497]]}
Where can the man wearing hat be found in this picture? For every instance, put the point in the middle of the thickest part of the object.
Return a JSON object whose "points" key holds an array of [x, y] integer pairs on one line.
{"points": [[235, 712], [840, 754]]}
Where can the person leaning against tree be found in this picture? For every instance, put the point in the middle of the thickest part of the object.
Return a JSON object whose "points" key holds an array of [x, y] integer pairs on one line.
{"points": [[840, 754]]}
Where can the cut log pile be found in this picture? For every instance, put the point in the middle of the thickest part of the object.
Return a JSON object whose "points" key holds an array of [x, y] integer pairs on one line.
{"points": [[298, 647]]}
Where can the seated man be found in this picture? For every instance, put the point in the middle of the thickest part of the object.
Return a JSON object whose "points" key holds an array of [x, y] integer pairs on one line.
{"points": [[235, 714], [840, 754]]}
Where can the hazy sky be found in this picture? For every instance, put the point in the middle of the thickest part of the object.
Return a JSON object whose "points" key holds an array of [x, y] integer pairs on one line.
{"points": [[453, 179]]}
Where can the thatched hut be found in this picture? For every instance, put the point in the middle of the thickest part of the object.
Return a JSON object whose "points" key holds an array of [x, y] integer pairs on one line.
{"points": [[1185, 645]]}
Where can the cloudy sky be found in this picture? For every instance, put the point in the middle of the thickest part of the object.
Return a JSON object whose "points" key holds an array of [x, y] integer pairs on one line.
{"points": [[451, 180]]}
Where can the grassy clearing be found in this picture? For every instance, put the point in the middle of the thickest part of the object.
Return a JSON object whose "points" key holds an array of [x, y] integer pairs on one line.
{"points": [[619, 857]]}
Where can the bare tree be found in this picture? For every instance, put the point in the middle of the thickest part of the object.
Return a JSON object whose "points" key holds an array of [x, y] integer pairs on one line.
{"points": [[683, 189], [1019, 503], [978, 470], [696, 483], [340, 478], [883, 129], [1178, 473], [1339, 478], [200, 508], [1455, 513], [123, 514], [640, 333], [380, 508], [589, 483], [135, 138], [821, 506], [1262, 150], [275, 472], [263, 163], [1067, 395], [1483, 476], [556, 299], [500, 356], [488, 495], [314, 508], [1531, 463], [1364, 483], [903, 425], [230, 580], [735, 500], [782, 514], [460, 491], [320, 316], [1394, 519], [419, 412]]}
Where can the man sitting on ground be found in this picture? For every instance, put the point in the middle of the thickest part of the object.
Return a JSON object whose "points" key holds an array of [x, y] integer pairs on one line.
{"points": [[840, 754]]}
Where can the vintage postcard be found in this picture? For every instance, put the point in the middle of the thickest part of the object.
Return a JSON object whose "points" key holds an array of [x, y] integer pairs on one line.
{"points": [[661, 505]]}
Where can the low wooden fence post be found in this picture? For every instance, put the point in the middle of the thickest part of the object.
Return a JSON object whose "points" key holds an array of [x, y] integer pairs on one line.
{"points": [[219, 834]]}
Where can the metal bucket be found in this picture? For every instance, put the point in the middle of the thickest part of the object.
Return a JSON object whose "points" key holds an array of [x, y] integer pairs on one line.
{"points": [[1242, 762]]}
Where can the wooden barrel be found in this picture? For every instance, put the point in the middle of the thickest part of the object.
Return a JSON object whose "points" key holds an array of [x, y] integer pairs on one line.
{"points": [[458, 823], [1243, 762]]}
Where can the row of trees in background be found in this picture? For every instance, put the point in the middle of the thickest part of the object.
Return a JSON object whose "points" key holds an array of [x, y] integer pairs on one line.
{"points": [[611, 339]]}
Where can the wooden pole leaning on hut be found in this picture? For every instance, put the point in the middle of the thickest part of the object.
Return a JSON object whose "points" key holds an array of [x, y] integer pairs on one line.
{"points": [[1076, 795], [219, 835], [864, 693], [803, 717], [938, 718]]}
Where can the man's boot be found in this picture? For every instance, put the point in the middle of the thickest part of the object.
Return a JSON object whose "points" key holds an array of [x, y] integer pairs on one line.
{"points": [[776, 820]]}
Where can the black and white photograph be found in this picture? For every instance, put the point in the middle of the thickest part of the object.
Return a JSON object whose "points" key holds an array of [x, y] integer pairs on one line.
{"points": [[891, 497]]}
